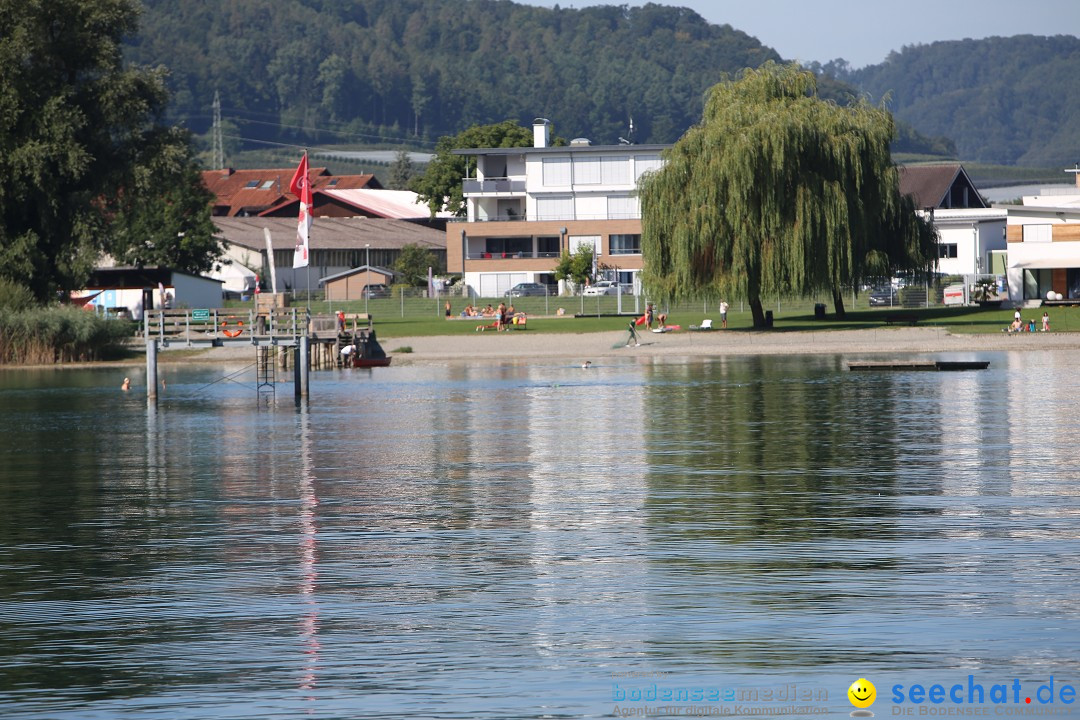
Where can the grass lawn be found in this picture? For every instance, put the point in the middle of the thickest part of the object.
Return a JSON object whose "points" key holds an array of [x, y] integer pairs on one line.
{"points": [[957, 320], [395, 318]]}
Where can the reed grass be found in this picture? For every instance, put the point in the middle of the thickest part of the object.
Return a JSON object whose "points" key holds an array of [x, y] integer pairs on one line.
{"points": [[53, 335]]}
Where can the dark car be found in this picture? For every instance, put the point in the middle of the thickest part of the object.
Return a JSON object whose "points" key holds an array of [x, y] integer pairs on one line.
{"points": [[375, 291], [528, 290], [884, 298]]}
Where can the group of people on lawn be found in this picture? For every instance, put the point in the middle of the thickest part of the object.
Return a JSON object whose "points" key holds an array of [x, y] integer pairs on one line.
{"points": [[500, 318], [1018, 324]]}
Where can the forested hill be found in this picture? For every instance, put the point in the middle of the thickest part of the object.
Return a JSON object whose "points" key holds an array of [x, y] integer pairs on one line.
{"points": [[1011, 101], [394, 68]]}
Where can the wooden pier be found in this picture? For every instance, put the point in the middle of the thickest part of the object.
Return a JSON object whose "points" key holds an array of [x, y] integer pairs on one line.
{"points": [[940, 365], [282, 338]]}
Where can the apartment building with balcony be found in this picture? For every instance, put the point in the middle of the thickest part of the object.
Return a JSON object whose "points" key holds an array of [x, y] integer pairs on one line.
{"points": [[526, 205]]}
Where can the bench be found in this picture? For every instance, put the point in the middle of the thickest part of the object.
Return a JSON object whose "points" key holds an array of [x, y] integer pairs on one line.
{"points": [[901, 319]]}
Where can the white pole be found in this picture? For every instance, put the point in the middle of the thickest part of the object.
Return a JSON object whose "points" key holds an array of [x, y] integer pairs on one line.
{"points": [[270, 257]]}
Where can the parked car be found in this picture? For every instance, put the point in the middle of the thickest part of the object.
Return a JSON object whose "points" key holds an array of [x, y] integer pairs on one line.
{"points": [[604, 287], [375, 291], [528, 290], [887, 297]]}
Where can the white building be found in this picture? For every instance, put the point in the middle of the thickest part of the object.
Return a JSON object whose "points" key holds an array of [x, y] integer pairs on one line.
{"points": [[971, 241], [527, 205], [1044, 245]]}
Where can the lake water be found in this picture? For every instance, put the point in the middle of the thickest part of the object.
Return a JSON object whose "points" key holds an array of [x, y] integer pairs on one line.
{"points": [[741, 536]]}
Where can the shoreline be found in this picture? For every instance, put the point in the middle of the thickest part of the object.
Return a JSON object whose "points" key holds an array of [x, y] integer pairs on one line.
{"points": [[520, 346]]}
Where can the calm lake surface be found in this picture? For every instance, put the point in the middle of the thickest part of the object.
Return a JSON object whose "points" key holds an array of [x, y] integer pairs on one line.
{"points": [[533, 541]]}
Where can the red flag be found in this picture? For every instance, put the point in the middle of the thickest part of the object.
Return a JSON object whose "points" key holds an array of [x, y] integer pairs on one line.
{"points": [[301, 188]]}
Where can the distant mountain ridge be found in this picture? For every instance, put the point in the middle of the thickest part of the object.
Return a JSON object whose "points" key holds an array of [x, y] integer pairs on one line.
{"points": [[399, 68], [1004, 100], [408, 71]]}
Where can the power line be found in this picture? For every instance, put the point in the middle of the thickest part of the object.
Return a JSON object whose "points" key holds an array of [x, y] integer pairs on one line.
{"points": [[342, 133]]}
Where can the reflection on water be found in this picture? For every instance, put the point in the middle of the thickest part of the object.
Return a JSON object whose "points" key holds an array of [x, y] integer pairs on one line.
{"points": [[499, 541]]}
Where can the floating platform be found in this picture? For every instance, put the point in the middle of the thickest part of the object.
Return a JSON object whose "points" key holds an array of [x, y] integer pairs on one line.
{"points": [[943, 365]]}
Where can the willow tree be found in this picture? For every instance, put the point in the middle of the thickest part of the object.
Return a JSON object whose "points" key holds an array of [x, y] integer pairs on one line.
{"points": [[778, 191]]}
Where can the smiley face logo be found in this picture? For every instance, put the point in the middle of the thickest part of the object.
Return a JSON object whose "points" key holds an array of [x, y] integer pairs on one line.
{"points": [[862, 693]]}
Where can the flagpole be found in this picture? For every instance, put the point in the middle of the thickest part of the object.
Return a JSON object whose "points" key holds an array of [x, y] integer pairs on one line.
{"points": [[307, 268]]}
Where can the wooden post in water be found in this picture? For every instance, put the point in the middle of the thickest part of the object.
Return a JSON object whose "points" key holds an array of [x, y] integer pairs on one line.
{"points": [[151, 369], [303, 364]]}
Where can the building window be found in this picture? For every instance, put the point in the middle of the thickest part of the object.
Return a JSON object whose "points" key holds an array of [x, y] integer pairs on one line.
{"points": [[625, 244], [557, 172], [946, 250], [586, 171], [616, 171], [646, 163], [622, 207], [508, 247], [548, 246], [554, 208]]}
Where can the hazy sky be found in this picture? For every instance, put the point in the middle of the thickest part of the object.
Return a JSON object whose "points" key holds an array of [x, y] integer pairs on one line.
{"points": [[863, 33]]}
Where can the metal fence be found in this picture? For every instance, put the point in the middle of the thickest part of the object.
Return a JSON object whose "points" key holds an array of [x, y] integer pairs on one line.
{"points": [[416, 303]]}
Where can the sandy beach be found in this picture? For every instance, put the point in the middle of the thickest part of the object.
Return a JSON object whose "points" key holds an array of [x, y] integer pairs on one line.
{"points": [[543, 348]]}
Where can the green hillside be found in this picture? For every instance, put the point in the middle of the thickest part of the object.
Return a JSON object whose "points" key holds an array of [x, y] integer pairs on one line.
{"points": [[385, 71], [1005, 101]]}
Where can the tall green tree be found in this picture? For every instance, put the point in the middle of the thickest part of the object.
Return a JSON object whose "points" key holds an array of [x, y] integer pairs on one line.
{"points": [[440, 185], [401, 171], [413, 263], [78, 136], [778, 191], [162, 216], [576, 267]]}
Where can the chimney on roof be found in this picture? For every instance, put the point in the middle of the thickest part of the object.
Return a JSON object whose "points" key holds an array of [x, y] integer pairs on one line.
{"points": [[226, 172], [541, 132]]}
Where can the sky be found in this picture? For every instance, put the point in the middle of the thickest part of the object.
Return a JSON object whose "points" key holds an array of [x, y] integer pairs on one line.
{"points": [[863, 33]]}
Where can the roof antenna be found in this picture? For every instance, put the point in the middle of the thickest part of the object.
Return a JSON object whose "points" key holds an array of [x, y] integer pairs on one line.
{"points": [[629, 139]]}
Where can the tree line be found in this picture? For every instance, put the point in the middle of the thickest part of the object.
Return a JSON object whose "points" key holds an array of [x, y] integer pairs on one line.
{"points": [[89, 166], [412, 71], [1004, 100]]}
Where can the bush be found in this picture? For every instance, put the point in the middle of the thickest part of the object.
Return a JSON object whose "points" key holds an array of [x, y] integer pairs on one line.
{"points": [[14, 296]]}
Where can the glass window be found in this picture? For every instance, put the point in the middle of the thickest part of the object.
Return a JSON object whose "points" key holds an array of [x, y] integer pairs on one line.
{"points": [[554, 208], [616, 170], [586, 171], [646, 163], [625, 244], [946, 250], [622, 207], [548, 246], [509, 247], [556, 172]]}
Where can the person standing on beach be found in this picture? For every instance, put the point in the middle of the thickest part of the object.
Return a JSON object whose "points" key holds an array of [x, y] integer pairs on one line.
{"points": [[633, 338], [723, 313], [1046, 321], [648, 316]]}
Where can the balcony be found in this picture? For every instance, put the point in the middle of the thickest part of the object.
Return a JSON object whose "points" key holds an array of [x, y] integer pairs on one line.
{"points": [[509, 255], [493, 185]]}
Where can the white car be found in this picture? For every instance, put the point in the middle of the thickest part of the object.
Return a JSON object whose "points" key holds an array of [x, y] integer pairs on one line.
{"points": [[604, 287]]}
